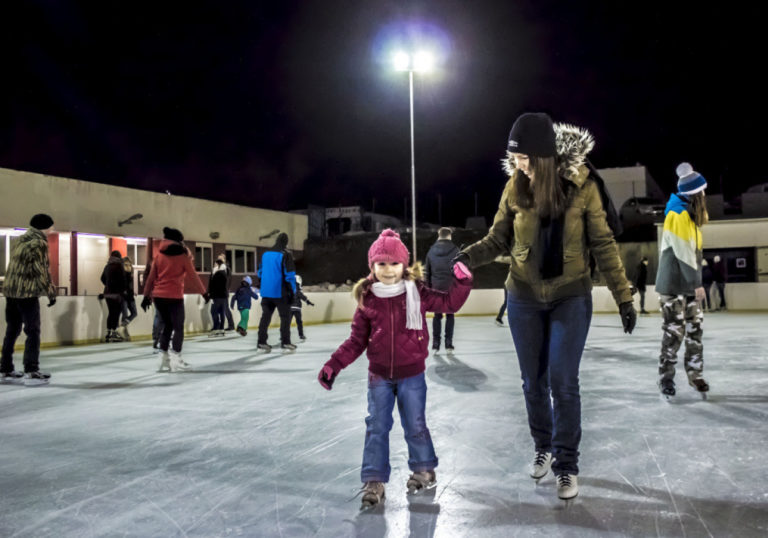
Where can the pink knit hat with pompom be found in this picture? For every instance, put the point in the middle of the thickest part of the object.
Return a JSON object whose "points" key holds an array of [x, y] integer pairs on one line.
{"points": [[388, 248]]}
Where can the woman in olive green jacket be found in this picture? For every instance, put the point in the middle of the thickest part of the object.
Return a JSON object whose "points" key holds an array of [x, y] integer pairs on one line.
{"points": [[551, 218]]}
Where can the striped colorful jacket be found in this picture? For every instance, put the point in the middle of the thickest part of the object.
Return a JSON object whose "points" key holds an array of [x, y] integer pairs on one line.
{"points": [[28, 273], [680, 250]]}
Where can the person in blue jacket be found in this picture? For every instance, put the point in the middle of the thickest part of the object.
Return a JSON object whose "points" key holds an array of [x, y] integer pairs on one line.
{"points": [[277, 274], [243, 297]]}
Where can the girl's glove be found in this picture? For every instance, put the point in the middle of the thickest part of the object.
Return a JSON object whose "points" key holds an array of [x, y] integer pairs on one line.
{"points": [[145, 302], [460, 271], [326, 377]]}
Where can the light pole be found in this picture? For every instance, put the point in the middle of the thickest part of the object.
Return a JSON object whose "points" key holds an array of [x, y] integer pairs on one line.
{"points": [[419, 62]]}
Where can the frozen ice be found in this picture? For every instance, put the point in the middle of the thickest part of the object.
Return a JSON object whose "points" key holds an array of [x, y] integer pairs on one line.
{"points": [[249, 444]]}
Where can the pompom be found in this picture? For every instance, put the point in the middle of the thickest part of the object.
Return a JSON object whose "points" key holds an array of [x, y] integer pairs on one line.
{"points": [[684, 169], [389, 232]]}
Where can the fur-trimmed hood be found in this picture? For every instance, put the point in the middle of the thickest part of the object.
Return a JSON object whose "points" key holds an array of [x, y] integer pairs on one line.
{"points": [[572, 143]]}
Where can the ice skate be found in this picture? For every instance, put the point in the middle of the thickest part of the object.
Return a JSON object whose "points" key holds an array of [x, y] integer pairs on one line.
{"points": [[373, 494], [567, 486], [302, 338], [667, 387], [542, 461], [12, 378], [421, 481], [288, 348], [435, 347], [165, 363], [33, 379], [449, 348], [265, 347], [125, 336], [700, 386], [176, 363], [498, 322], [241, 331]]}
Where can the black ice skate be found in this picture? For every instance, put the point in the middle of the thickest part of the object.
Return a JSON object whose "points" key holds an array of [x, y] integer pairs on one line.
{"points": [[373, 494], [288, 348], [700, 386], [265, 347], [34, 379], [421, 481], [667, 387]]}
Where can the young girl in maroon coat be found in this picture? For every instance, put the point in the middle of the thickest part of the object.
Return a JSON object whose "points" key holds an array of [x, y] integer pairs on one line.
{"points": [[390, 322]]}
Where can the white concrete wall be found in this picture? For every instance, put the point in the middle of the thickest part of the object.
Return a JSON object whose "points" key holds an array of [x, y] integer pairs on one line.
{"points": [[83, 319], [83, 206]]}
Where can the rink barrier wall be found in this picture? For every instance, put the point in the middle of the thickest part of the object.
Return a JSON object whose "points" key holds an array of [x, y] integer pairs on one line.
{"points": [[82, 319]]}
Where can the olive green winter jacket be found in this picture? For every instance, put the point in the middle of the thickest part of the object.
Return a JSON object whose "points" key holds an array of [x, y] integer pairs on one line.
{"points": [[515, 230], [28, 273]]}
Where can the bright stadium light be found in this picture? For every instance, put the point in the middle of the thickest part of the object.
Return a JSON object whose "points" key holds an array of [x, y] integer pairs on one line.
{"points": [[402, 61], [423, 62]]}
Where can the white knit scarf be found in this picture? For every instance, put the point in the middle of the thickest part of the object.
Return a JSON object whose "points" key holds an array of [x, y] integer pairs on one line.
{"points": [[412, 299]]}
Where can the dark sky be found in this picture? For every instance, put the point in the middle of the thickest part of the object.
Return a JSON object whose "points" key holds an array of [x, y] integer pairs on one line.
{"points": [[283, 103]]}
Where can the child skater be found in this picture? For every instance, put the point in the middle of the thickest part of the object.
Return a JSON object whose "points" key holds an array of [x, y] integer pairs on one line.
{"points": [[243, 297], [296, 308], [390, 322]]}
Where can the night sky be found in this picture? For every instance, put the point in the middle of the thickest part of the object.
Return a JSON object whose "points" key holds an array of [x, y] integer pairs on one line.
{"points": [[285, 103]]}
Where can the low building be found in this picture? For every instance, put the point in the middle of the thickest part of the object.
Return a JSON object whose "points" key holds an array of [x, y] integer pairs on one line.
{"points": [[92, 219]]}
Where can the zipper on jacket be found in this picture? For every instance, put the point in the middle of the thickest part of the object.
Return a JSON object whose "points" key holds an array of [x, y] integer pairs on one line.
{"points": [[392, 341]]}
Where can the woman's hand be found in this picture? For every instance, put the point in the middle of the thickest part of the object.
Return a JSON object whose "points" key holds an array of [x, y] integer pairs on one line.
{"points": [[628, 316]]}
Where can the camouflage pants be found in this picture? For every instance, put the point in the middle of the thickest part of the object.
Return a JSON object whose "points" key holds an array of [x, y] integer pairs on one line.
{"points": [[682, 319]]}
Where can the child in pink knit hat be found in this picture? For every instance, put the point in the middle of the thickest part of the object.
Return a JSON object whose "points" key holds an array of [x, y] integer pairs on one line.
{"points": [[390, 323]]}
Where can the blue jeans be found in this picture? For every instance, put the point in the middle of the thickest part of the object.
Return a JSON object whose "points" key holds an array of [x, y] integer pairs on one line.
{"points": [[411, 396], [217, 313], [549, 340]]}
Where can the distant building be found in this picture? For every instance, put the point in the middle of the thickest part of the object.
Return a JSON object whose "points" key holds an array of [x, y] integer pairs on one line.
{"points": [[630, 181], [92, 219], [331, 221]]}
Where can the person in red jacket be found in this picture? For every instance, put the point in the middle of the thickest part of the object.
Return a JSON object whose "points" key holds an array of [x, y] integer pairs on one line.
{"points": [[390, 323], [165, 286]]}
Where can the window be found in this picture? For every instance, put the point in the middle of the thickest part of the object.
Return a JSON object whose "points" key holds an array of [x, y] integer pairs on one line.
{"points": [[203, 259], [137, 251], [242, 260]]}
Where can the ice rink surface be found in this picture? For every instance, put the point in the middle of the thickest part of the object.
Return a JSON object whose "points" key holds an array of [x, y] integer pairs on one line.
{"points": [[249, 444]]}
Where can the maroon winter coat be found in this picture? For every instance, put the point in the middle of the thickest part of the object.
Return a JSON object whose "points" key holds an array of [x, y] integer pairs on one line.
{"points": [[395, 352]]}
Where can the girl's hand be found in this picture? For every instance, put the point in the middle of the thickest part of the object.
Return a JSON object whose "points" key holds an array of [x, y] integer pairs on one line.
{"points": [[700, 294], [326, 377], [461, 272]]}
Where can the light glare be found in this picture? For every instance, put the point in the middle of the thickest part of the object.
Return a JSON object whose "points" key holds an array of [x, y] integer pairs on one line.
{"points": [[402, 61], [423, 61]]}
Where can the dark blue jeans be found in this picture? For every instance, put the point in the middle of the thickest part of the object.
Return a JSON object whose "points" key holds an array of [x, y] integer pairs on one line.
{"points": [[411, 396], [218, 306], [22, 313], [437, 328], [549, 340]]}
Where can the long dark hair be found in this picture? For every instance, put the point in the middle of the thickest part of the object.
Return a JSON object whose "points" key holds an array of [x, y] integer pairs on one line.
{"points": [[546, 195], [698, 208]]}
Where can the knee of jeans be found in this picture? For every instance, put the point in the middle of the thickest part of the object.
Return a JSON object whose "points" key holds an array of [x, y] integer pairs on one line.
{"points": [[536, 390], [378, 424], [564, 387]]}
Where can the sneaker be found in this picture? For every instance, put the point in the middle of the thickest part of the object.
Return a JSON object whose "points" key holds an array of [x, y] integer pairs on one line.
{"points": [[567, 486], [32, 379], [499, 323], [289, 346], [13, 378], [265, 347], [542, 461], [373, 494], [421, 481]]}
